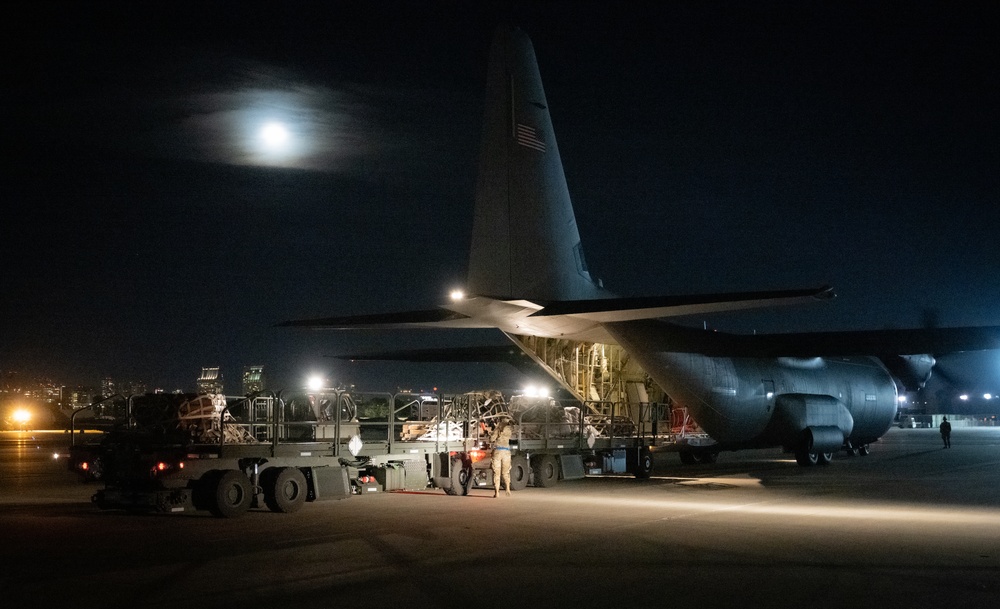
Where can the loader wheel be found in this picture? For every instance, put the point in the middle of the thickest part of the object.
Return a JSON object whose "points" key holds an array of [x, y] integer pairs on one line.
{"points": [[519, 472], [231, 495], [284, 489], [461, 478], [96, 471], [546, 471], [644, 467]]}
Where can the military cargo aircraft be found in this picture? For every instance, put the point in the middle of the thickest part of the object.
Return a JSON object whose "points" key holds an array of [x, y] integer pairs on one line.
{"points": [[812, 394]]}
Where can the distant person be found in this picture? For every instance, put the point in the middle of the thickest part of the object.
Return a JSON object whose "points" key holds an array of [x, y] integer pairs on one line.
{"points": [[946, 432], [500, 438]]}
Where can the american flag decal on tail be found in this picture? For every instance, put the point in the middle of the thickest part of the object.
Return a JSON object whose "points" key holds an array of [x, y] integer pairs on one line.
{"points": [[527, 136]]}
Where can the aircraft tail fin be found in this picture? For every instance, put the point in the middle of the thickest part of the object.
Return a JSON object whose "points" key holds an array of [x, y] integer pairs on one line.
{"points": [[525, 241]]}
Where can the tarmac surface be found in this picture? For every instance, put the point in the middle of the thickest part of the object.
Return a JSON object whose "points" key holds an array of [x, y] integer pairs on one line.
{"points": [[911, 525]]}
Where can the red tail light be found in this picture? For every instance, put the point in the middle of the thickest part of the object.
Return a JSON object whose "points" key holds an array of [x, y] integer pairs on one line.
{"points": [[477, 455], [165, 466]]}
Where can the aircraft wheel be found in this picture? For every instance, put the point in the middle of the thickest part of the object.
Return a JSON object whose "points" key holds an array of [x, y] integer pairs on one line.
{"points": [[231, 495], [644, 466], [824, 458], [688, 457], [864, 450], [546, 471], [806, 458], [707, 457], [284, 489], [519, 472]]}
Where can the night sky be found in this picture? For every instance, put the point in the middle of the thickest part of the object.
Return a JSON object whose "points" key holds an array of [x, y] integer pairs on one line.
{"points": [[148, 230]]}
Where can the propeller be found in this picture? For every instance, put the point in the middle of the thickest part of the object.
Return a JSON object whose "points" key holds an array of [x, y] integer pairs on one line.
{"points": [[955, 372], [931, 319]]}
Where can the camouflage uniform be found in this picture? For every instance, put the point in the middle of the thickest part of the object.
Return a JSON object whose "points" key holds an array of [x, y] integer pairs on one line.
{"points": [[500, 438]]}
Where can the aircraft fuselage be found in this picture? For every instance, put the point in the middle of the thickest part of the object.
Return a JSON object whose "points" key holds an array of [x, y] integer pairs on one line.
{"points": [[747, 402]]}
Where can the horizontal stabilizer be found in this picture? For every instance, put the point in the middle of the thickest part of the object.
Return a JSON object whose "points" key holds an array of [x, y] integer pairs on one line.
{"points": [[409, 319], [608, 310], [505, 354]]}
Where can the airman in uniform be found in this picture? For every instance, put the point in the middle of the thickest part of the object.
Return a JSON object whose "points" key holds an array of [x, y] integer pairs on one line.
{"points": [[500, 438], [945, 428]]}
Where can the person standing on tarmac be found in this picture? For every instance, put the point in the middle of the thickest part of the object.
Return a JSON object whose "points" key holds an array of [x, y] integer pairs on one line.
{"points": [[500, 438], [945, 428]]}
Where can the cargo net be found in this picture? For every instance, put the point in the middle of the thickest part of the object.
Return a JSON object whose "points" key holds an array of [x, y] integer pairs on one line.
{"points": [[482, 411], [532, 418], [201, 417], [545, 417], [490, 408]]}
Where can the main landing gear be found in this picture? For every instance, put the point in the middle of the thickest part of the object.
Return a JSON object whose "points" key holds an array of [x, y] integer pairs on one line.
{"points": [[803, 456], [808, 458], [690, 457]]}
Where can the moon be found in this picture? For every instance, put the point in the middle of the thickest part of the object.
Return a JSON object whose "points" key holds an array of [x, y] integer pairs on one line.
{"points": [[274, 135]]}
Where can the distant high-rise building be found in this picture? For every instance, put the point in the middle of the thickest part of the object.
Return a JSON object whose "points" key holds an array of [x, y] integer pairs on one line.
{"points": [[253, 379], [81, 396], [107, 386], [133, 388], [210, 381]]}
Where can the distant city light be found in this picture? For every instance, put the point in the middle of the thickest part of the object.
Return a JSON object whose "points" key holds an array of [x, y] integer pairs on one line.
{"points": [[987, 396], [901, 399], [964, 397]]}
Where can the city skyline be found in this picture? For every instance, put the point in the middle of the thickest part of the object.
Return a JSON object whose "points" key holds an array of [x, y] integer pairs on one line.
{"points": [[251, 378]]}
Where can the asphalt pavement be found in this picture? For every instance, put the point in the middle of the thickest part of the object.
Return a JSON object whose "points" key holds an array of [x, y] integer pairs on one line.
{"points": [[911, 525]]}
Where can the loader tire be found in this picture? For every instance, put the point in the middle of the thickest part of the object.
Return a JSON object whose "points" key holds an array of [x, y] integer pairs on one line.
{"points": [[520, 472], [644, 465], [231, 494], [284, 489], [546, 471], [461, 478]]}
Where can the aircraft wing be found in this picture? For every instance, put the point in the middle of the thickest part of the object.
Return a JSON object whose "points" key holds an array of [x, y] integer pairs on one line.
{"points": [[891, 342]]}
